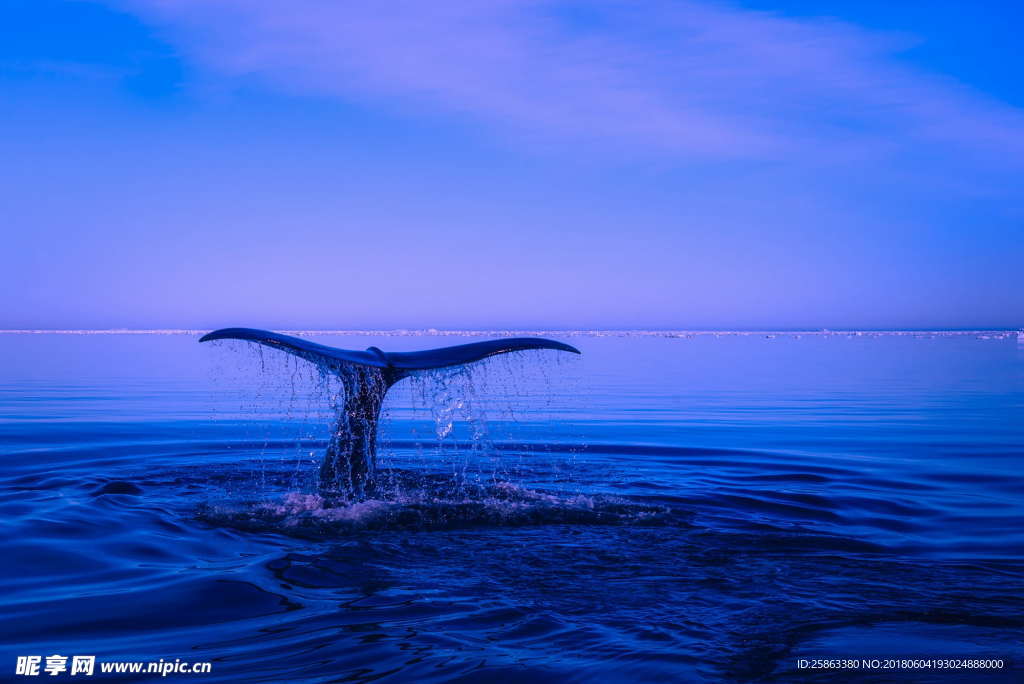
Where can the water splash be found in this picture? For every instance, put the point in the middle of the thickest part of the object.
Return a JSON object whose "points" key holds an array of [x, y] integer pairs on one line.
{"points": [[452, 412], [432, 505]]}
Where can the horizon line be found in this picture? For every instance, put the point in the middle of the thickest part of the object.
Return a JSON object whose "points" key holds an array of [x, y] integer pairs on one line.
{"points": [[472, 332]]}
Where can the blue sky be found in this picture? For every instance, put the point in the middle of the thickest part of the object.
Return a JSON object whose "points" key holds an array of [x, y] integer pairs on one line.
{"points": [[512, 163]]}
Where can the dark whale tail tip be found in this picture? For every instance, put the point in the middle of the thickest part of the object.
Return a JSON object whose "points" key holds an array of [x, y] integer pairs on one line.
{"points": [[351, 454]]}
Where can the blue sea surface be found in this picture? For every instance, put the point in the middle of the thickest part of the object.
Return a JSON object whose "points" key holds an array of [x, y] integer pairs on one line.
{"points": [[695, 508]]}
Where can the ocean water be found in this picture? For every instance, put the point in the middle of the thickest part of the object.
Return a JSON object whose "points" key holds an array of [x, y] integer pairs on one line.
{"points": [[695, 508]]}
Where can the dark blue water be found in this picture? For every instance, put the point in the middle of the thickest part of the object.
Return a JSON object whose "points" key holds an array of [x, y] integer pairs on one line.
{"points": [[696, 509]]}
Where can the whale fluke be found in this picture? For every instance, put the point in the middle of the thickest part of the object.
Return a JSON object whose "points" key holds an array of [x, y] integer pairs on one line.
{"points": [[428, 359], [351, 454]]}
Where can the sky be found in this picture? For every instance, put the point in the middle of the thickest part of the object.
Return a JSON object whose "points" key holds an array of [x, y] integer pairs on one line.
{"points": [[329, 164]]}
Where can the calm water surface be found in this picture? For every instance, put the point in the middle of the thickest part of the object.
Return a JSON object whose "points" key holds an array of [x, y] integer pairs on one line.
{"points": [[697, 509]]}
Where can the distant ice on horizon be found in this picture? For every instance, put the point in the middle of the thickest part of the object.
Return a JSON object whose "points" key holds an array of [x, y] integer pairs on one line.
{"points": [[432, 332]]}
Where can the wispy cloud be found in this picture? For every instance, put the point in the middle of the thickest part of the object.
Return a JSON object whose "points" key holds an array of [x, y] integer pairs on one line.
{"points": [[694, 78]]}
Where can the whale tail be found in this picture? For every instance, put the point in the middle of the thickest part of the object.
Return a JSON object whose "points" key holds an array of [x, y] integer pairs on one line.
{"points": [[351, 456]]}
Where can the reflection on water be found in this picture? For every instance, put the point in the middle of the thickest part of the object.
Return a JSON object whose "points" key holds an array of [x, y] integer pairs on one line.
{"points": [[658, 509]]}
